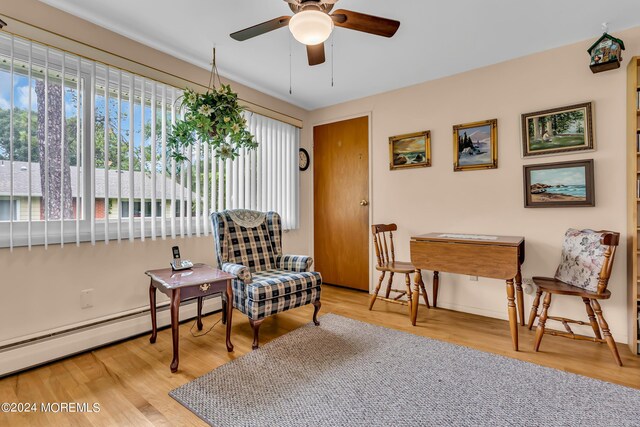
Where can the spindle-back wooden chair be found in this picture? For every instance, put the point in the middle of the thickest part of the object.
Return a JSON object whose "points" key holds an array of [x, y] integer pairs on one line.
{"points": [[386, 262], [604, 250]]}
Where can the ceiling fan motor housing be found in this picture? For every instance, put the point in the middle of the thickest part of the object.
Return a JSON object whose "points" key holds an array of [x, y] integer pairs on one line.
{"points": [[299, 5]]}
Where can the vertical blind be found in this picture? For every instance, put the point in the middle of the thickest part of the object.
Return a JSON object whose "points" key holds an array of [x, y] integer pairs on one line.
{"points": [[83, 156]]}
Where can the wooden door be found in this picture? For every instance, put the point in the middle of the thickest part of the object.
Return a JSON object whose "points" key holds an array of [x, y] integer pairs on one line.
{"points": [[341, 202]]}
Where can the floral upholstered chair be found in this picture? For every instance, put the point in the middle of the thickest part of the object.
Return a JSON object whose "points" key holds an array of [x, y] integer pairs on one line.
{"points": [[249, 245], [584, 271]]}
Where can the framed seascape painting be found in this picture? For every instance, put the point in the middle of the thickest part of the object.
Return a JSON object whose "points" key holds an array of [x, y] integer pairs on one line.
{"points": [[475, 145], [412, 150], [559, 130], [561, 184]]}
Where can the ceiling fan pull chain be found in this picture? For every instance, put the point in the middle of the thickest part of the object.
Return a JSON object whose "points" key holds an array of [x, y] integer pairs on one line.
{"points": [[332, 38], [290, 73]]}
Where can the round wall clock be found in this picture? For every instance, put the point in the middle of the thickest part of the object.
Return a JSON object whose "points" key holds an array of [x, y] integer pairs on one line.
{"points": [[303, 159]]}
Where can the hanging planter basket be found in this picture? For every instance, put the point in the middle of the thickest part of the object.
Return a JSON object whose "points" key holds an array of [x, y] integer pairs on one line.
{"points": [[214, 118]]}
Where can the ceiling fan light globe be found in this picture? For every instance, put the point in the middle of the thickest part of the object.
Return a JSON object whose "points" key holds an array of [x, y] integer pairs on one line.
{"points": [[311, 27]]}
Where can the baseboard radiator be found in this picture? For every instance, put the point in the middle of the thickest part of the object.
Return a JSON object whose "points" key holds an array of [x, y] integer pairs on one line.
{"points": [[36, 351]]}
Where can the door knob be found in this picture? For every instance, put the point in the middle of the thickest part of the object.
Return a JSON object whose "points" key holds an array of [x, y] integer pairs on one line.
{"points": [[363, 202]]}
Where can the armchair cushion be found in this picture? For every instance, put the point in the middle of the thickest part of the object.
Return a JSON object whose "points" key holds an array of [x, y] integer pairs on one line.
{"points": [[251, 247], [243, 273], [582, 259], [294, 262], [273, 284]]}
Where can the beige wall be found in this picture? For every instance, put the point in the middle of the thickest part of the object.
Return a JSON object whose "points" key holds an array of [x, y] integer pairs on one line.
{"points": [[491, 201], [41, 288]]}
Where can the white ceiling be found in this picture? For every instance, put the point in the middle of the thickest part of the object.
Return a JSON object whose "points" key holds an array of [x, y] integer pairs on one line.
{"points": [[435, 39]]}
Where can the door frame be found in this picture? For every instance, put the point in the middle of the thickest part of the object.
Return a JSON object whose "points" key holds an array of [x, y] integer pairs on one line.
{"points": [[369, 115]]}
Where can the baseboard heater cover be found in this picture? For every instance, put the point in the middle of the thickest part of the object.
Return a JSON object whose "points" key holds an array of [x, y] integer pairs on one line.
{"points": [[34, 352]]}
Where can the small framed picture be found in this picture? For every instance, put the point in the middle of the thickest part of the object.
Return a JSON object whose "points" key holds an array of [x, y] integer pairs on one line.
{"points": [[412, 150], [559, 130], [560, 184], [475, 145]]}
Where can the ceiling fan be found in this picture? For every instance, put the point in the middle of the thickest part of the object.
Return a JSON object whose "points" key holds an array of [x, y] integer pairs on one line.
{"points": [[312, 24]]}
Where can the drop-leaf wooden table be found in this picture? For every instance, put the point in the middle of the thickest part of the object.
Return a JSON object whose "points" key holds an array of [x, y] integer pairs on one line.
{"points": [[495, 257]]}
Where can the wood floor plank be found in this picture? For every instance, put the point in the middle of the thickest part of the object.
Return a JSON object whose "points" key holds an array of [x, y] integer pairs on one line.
{"points": [[131, 380]]}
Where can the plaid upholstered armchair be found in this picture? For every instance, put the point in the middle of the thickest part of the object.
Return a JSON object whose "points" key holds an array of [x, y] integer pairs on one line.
{"points": [[249, 245]]}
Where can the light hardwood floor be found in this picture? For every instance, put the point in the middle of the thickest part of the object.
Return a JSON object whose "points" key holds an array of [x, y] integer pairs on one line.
{"points": [[131, 380]]}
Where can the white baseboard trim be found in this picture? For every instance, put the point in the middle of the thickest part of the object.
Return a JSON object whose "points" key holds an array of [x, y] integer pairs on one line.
{"points": [[20, 357], [503, 315], [475, 310]]}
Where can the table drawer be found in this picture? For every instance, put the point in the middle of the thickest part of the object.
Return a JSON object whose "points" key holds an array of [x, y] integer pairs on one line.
{"points": [[202, 290]]}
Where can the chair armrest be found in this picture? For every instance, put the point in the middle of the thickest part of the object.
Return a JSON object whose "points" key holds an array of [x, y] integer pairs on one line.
{"points": [[239, 270], [297, 263]]}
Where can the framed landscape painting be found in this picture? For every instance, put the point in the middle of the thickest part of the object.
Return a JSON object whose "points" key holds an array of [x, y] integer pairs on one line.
{"points": [[561, 184], [559, 130], [412, 150], [475, 145]]}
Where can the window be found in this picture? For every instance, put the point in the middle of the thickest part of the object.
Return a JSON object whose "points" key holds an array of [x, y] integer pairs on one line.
{"points": [[8, 213], [103, 151], [137, 209]]}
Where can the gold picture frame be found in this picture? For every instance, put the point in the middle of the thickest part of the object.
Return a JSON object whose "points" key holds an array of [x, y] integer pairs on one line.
{"points": [[412, 150], [481, 153]]}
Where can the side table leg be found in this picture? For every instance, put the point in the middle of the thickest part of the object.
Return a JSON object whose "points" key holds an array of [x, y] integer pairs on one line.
{"points": [[229, 313], [152, 308], [200, 301], [513, 315], [175, 307], [224, 308]]}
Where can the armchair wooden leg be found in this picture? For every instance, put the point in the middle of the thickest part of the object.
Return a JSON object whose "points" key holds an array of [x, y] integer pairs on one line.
{"points": [[316, 308], [605, 331], [420, 282], [255, 324], [542, 321], [389, 285], [592, 318], [534, 309], [407, 280], [375, 292]]}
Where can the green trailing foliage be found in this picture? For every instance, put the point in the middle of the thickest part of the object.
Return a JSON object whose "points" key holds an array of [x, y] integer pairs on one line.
{"points": [[214, 118]]}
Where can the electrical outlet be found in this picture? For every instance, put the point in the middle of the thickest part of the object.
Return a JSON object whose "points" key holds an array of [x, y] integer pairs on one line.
{"points": [[528, 288], [527, 285], [473, 278], [86, 298]]}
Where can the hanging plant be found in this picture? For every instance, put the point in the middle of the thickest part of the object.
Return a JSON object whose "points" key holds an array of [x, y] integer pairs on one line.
{"points": [[214, 118]]}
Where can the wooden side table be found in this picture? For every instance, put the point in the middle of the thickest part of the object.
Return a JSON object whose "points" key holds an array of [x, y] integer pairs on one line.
{"points": [[198, 282]]}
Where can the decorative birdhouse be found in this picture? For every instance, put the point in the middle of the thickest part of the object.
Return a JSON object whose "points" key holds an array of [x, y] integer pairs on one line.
{"points": [[606, 53]]}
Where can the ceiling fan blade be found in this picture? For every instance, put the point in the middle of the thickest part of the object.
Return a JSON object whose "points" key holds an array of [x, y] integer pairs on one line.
{"points": [[365, 23], [262, 28], [315, 53]]}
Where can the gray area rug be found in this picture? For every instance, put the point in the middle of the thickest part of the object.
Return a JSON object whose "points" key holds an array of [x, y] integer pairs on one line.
{"points": [[349, 373]]}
